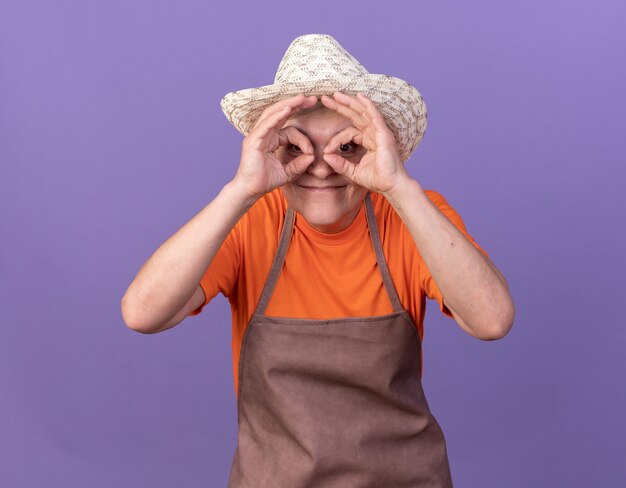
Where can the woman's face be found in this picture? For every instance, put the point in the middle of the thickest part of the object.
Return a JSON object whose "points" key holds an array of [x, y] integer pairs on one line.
{"points": [[328, 201]]}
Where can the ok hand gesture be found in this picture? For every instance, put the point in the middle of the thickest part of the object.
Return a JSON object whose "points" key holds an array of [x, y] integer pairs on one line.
{"points": [[381, 168], [260, 171]]}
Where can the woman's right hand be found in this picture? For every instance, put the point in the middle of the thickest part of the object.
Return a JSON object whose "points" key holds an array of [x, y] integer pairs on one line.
{"points": [[260, 171]]}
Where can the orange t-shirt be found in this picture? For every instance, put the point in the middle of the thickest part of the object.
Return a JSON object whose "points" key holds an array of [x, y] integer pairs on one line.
{"points": [[324, 275]]}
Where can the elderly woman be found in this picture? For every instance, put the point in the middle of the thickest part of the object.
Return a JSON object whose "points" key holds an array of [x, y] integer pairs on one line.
{"points": [[326, 249]]}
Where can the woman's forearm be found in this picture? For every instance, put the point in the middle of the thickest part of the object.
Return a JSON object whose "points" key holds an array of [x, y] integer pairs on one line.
{"points": [[167, 280], [470, 282]]}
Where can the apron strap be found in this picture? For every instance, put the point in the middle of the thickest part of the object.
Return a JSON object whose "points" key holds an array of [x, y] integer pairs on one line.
{"points": [[380, 256], [281, 253], [277, 265]]}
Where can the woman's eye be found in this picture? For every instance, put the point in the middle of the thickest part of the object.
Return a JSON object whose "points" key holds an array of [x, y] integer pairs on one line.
{"points": [[342, 148]]}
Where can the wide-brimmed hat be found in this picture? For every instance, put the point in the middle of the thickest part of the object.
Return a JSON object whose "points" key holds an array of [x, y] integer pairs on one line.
{"points": [[316, 64]]}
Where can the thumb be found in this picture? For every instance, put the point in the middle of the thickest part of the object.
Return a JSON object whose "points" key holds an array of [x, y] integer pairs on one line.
{"points": [[341, 165], [298, 165]]}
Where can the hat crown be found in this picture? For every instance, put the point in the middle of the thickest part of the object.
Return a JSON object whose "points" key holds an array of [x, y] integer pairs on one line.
{"points": [[317, 57]]}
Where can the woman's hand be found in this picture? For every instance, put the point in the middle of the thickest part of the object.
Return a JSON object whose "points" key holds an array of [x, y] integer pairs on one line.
{"points": [[381, 168], [260, 171]]}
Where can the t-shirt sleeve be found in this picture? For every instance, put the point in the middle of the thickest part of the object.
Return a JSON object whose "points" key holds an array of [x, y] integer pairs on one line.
{"points": [[427, 282], [221, 275]]}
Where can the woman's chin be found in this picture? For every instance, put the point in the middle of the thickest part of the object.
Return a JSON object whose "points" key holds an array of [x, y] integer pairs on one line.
{"points": [[328, 221], [329, 211], [318, 218]]}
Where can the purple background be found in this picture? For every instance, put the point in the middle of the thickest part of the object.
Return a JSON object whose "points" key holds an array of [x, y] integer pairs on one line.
{"points": [[111, 138]]}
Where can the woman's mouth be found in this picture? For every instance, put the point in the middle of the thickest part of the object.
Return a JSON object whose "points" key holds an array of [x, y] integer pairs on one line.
{"points": [[322, 188]]}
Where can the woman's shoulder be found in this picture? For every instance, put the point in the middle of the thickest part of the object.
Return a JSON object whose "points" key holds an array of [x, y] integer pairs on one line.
{"points": [[265, 215], [271, 203], [391, 225]]}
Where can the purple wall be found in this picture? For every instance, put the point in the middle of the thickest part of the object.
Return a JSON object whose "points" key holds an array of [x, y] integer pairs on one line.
{"points": [[111, 138]]}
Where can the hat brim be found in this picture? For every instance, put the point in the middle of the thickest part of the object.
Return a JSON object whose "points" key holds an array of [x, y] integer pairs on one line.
{"points": [[399, 102]]}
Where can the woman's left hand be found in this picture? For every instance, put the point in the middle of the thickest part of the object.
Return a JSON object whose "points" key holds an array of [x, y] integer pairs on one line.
{"points": [[380, 169]]}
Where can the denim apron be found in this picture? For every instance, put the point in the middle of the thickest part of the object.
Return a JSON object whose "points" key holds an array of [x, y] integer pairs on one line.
{"points": [[334, 403]]}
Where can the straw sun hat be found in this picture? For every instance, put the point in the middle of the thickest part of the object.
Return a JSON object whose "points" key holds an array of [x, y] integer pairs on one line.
{"points": [[316, 64]]}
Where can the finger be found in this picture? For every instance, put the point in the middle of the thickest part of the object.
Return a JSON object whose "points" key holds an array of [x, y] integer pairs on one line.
{"points": [[294, 105], [291, 135], [297, 103], [341, 165], [369, 111], [275, 107], [299, 165], [345, 110], [347, 135], [374, 115], [274, 120], [307, 102], [352, 102]]}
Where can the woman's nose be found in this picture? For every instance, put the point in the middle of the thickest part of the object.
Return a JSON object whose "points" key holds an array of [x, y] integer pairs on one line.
{"points": [[319, 167]]}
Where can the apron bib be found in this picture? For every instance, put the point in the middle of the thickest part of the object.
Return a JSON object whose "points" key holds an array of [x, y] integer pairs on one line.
{"points": [[334, 403]]}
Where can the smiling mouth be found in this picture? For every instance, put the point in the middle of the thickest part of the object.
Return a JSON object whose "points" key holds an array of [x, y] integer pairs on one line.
{"points": [[323, 188]]}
